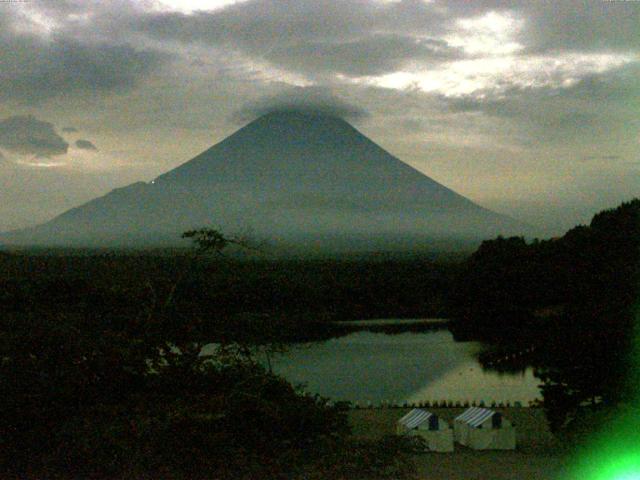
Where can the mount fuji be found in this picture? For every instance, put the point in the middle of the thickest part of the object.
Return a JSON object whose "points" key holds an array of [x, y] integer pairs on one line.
{"points": [[289, 176]]}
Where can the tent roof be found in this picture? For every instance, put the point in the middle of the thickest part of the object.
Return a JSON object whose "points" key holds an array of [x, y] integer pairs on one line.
{"points": [[474, 416], [415, 417]]}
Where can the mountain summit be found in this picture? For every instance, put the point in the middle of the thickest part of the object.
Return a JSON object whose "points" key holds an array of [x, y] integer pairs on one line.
{"points": [[287, 176]]}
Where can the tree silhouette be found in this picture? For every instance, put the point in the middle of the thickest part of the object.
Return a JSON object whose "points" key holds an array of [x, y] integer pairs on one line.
{"points": [[572, 298]]}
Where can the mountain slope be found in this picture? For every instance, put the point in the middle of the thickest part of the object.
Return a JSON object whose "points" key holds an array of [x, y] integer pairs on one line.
{"points": [[286, 176]]}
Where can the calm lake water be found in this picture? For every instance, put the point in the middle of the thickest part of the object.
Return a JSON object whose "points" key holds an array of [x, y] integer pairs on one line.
{"points": [[374, 367]]}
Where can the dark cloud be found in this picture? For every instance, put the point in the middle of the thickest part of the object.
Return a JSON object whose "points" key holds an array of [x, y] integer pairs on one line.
{"points": [[37, 69], [86, 145], [599, 106], [27, 135], [69, 129], [582, 26], [313, 36], [86, 51], [595, 91], [258, 25], [361, 37], [308, 100], [370, 55], [618, 87], [536, 116]]}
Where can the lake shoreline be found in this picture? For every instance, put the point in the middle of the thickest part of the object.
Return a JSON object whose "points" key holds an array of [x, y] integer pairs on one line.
{"points": [[391, 322], [415, 365]]}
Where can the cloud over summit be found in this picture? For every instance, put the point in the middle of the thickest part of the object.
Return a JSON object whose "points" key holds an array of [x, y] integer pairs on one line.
{"points": [[304, 100]]}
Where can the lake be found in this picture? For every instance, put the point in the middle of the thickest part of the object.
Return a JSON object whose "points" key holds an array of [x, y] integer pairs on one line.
{"points": [[373, 367]]}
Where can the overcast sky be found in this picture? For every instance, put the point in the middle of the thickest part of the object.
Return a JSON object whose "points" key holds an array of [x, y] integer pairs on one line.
{"points": [[530, 108]]}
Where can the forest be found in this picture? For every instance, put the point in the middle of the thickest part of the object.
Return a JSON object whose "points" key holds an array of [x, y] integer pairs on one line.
{"points": [[297, 297], [571, 301]]}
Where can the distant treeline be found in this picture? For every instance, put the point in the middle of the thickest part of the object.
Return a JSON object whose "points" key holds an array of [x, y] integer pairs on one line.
{"points": [[221, 289], [570, 301]]}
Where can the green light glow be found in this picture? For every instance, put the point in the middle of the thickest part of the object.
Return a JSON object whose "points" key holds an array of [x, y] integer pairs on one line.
{"points": [[624, 469], [614, 452]]}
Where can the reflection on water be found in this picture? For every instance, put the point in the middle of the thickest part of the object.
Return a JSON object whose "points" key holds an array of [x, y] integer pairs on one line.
{"points": [[412, 367]]}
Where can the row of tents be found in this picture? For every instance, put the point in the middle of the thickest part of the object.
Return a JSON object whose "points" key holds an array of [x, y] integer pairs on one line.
{"points": [[477, 428]]}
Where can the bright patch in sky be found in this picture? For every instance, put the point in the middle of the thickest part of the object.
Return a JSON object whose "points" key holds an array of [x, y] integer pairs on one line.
{"points": [[490, 34], [190, 6], [254, 70], [41, 164], [465, 77], [494, 62], [31, 20]]}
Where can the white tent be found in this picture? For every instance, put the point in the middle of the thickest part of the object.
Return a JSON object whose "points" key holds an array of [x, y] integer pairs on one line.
{"points": [[484, 429], [436, 433]]}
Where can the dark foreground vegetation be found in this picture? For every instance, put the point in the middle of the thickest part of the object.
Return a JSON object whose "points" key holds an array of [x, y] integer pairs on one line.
{"points": [[102, 374], [88, 398], [571, 304]]}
